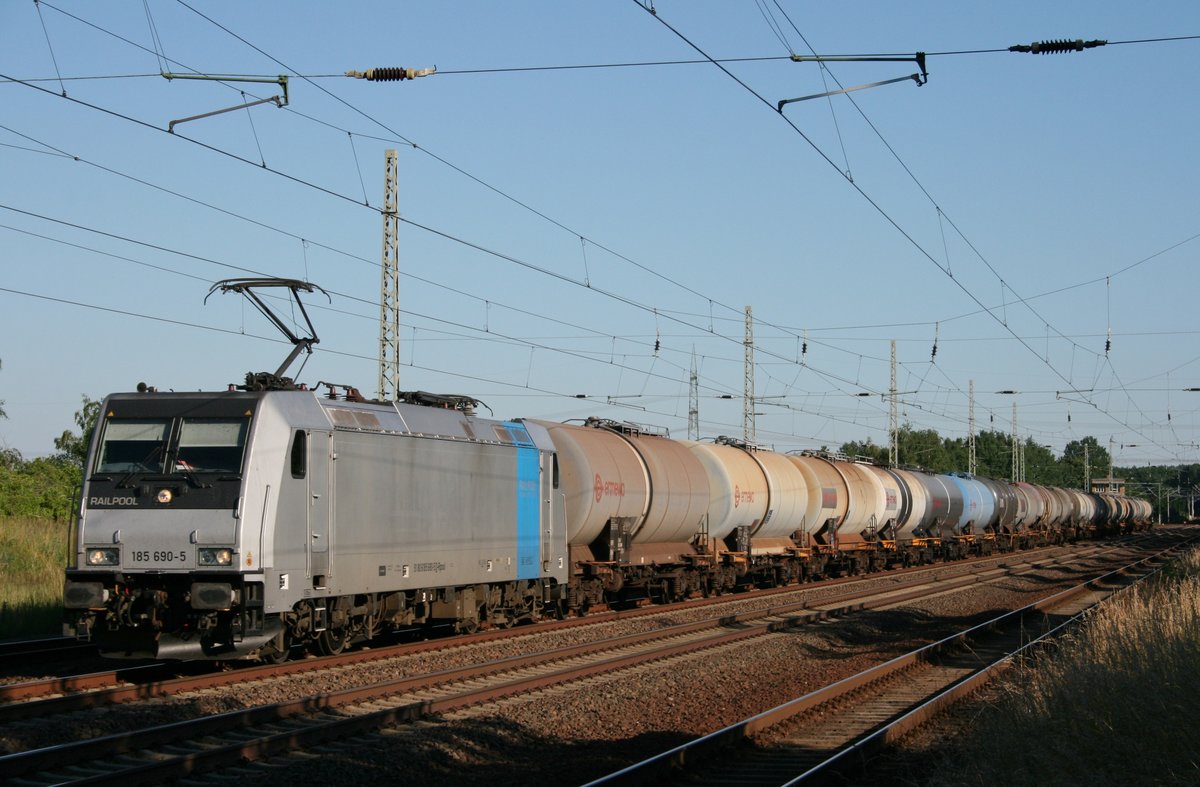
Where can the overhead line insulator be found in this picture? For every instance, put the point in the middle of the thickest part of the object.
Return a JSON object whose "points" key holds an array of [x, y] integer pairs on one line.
{"points": [[1054, 47], [391, 73]]}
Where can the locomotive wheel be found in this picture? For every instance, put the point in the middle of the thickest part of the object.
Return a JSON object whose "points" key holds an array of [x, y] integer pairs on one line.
{"points": [[333, 641], [278, 651]]}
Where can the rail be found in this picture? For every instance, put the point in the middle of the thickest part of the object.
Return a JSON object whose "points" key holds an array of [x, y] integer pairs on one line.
{"points": [[670, 763]]}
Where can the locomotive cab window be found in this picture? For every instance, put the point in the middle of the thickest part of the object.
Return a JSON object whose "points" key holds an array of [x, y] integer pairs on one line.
{"points": [[211, 445], [133, 446], [300, 454]]}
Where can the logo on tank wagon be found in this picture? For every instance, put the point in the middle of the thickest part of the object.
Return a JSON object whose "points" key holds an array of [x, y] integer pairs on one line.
{"points": [[739, 495], [829, 497], [603, 488]]}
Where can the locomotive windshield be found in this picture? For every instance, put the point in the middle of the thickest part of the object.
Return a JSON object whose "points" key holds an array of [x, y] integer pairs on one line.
{"points": [[134, 446], [172, 445], [211, 445]]}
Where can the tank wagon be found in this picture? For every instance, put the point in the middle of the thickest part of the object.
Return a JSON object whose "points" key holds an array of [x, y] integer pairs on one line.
{"points": [[248, 523]]}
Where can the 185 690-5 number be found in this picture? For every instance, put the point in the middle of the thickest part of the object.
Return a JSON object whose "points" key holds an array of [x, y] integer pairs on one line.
{"points": [[159, 556]]}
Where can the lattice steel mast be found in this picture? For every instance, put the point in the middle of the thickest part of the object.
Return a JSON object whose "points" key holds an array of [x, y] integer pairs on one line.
{"points": [[971, 463], [694, 401], [748, 429], [1016, 448], [389, 287], [893, 417]]}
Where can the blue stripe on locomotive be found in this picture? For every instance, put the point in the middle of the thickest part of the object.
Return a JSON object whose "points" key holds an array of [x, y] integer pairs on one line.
{"points": [[528, 504]]}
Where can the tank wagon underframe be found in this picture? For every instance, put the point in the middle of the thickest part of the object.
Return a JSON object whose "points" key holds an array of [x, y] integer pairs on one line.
{"points": [[256, 523]]}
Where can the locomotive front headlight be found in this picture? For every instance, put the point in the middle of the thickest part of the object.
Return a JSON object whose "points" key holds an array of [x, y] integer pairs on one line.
{"points": [[104, 556], [216, 556]]}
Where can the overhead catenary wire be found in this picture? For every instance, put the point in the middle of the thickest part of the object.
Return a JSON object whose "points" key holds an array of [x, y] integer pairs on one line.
{"points": [[553, 221], [359, 356], [181, 2], [726, 306], [1054, 47], [875, 205], [825, 375], [242, 269], [799, 409], [697, 61]]}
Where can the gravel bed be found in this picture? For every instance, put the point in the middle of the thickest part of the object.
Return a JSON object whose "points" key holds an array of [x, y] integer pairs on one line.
{"points": [[575, 733]]}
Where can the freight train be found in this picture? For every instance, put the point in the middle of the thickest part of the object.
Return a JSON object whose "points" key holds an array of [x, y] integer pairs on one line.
{"points": [[254, 523]]}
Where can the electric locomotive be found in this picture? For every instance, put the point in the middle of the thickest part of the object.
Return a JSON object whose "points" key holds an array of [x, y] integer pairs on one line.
{"points": [[241, 523]]}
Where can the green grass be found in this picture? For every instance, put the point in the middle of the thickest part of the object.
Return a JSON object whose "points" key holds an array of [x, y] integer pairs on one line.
{"points": [[1115, 703], [33, 556]]}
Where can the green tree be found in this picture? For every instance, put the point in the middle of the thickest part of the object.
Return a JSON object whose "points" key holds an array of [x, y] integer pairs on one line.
{"points": [[993, 454], [42, 488], [1073, 464], [10, 458], [73, 447], [922, 448], [876, 453], [1041, 467]]}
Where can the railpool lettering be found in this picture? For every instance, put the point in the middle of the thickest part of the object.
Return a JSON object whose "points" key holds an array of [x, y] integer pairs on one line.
{"points": [[112, 501]]}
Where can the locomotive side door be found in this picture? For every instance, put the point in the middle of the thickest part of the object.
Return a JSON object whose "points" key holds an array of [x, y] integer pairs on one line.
{"points": [[554, 527], [320, 504]]}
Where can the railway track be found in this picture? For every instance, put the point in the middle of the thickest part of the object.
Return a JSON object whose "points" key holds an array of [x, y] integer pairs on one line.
{"points": [[832, 733], [37, 698], [155, 754]]}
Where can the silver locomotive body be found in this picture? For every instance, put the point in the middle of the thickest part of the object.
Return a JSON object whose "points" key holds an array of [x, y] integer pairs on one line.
{"points": [[219, 525]]}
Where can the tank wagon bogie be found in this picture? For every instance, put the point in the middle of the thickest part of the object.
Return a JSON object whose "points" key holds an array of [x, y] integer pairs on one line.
{"points": [[249, 523]]}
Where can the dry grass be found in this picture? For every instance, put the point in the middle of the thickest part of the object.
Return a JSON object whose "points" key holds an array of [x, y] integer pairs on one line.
{"points": [[33, 555], [1115, 704]]}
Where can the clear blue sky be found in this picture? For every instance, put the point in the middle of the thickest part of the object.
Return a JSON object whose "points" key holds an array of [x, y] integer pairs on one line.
{"points": [[559, 223]]}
